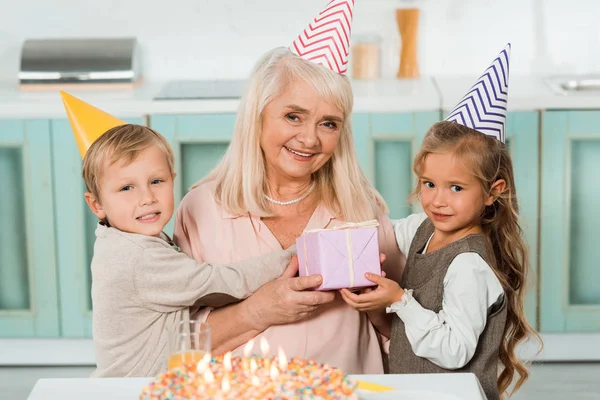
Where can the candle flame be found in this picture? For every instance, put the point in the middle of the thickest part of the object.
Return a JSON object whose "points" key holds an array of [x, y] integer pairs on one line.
{"points": [[255, 381], [264, 346], [253, 366], [225, 386], [274, 372], [201, 367], [209, 377], [203, 364], [283, 363], [248, 348], [227, 361]]}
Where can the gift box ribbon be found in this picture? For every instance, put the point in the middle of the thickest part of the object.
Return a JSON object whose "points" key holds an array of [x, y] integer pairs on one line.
{"points": [[347, 226]]}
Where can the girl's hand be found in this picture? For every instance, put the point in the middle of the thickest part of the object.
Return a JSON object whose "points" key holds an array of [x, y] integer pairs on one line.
{"points": [[371, 288], [386, 293]]}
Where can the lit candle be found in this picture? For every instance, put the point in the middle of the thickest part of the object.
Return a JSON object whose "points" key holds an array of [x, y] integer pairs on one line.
{"points": [[225, 386], [203, 364], [277, 382], [264, 347], [227, 362], [209, 377], [209, 380], [247, 352], [274, 372], [248, 348], [253, 368], [283, 363]]}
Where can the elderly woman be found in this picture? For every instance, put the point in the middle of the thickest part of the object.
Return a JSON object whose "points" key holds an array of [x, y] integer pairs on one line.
{"points": [[290, 166]]}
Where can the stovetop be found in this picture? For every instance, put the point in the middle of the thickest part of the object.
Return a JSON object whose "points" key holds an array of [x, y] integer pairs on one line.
{"points": [[201, 89]]}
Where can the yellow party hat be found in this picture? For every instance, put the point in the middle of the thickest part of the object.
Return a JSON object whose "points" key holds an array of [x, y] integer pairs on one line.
{"points": [[88, 122]]}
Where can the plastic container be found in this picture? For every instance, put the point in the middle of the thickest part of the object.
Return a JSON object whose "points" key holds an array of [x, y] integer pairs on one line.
{"points": [[366, 61]]}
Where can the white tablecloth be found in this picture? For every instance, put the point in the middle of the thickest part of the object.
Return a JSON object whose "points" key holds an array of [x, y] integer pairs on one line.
{"points": [[409, 387]]}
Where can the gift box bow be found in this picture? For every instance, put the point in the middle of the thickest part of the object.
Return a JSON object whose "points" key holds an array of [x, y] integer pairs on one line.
{"points": [[347, 250]]}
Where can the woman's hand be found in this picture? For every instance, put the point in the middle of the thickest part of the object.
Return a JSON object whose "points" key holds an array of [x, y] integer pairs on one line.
{"points": [[285, 300], [386, 293]]}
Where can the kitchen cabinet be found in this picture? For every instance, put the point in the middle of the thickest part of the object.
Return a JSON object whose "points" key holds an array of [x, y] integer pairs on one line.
{"points": [[570, 189], [28, 270], [198, 142], [522, 139], [45, 276], [386, 144]]}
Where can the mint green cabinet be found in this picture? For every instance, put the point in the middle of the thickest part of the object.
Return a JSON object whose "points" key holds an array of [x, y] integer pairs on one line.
{"points": [[47, 232], [522, 139], [570, 217], [28, 287], [386, 144], [75, 225], [198, 141]]}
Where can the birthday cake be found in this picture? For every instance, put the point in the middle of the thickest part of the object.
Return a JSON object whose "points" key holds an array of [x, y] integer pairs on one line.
{"points": [[251, 377]]}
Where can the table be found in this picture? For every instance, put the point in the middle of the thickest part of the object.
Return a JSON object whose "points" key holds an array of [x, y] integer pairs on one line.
{"points": [[451, 386]]}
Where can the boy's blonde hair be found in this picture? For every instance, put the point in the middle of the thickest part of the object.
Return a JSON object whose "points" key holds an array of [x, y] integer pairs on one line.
{"points": [[241, 174], [124, 142]]}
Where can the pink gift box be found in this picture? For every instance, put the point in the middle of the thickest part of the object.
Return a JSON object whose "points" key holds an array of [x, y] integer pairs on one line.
{"points": [[341, 255]]}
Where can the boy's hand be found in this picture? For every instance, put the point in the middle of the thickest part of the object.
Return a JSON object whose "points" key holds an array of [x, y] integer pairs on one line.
{"points": [[386, 293]]}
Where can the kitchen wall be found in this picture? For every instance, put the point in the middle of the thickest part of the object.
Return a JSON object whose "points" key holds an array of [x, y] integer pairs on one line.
{"points": [[223, 38]]}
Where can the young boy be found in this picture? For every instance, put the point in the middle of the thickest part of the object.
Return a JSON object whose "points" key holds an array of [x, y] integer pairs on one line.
{"points": [[141, 284]]}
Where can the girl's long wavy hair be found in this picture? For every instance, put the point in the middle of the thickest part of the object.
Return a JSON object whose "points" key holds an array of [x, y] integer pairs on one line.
{"points": [[489, 160]]}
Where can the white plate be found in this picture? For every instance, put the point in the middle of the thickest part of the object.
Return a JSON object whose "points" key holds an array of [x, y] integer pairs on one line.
{"points": [[406, 395]]}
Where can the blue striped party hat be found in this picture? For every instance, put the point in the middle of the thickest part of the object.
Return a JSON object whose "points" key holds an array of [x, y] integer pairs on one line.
{"points": [[483, 108]]}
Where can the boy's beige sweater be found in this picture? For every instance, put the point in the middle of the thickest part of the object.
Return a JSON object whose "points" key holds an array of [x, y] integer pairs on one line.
{"points": [[142, 286]]}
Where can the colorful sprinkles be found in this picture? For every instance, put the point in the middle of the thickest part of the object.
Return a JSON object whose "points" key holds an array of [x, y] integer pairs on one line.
{"points": [[252, 378]]}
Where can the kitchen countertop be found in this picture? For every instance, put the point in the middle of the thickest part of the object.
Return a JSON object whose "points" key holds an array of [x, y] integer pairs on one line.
{"points": [[525, 93], [370, 96], [391, 95]]}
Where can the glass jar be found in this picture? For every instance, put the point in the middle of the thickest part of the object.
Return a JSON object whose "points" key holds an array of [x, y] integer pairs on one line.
{"points": [[365, 56]]}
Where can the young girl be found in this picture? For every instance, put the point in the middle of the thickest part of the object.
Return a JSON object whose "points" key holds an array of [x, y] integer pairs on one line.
{"points": [[460, 302]]}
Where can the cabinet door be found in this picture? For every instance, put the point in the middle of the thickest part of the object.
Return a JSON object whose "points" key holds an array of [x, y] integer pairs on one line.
{"points": [[199, 142], [386, 145], [28, 288], [76, 225], [522, 139], [570, 299]]}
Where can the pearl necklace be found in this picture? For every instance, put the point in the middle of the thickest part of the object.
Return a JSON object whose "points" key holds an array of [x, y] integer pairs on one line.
{"points": [[287, 203]]}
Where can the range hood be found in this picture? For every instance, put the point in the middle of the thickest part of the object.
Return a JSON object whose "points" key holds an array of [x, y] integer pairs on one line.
{"points": [[50, 64]]}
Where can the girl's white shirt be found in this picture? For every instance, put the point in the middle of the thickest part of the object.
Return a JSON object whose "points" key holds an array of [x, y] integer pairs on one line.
{"points": [[448, 338]]}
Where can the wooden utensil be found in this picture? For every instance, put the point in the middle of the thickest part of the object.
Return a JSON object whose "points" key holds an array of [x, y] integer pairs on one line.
{"points": [[407, 20]]}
